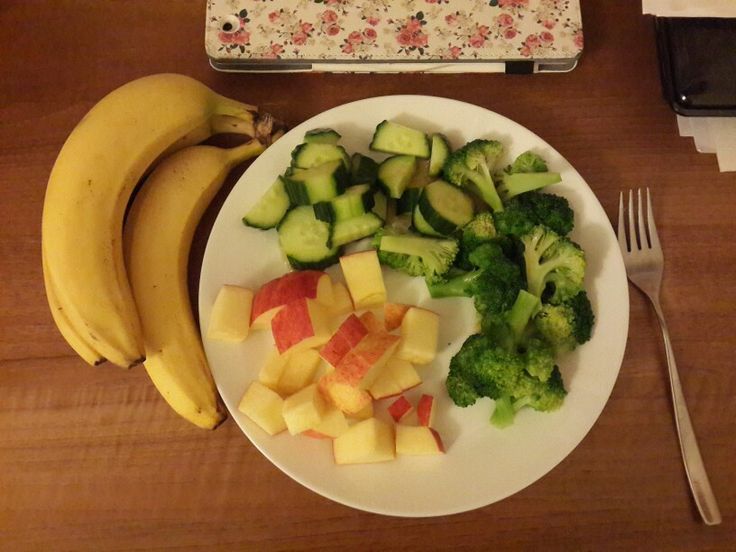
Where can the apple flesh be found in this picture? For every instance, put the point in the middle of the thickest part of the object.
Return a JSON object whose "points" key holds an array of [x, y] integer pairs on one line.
{"points": [[393, 314], [400, 408], [425, 410], [364, 362], [274, 295], [369, 441], [364, 278], [397, 376], [418, 440], [342, 394], [347, 336], [341, 301], [301, 324], [333, 425], [230, 317], [299, 371], [304, 410], [271, 371], [419, 332], [371, 321], [264, 406]]}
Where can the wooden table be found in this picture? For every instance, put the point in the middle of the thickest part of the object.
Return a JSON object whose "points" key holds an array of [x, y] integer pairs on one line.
{"points": [[94, 459]]}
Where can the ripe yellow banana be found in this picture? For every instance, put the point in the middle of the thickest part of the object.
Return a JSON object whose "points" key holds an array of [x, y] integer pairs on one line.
{"points": [[89, 188], [157, 235]]}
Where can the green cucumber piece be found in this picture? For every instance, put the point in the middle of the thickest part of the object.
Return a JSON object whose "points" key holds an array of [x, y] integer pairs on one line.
{"points": [[391, 137], [408, 200], [311, 154], [270, 209], [395, 173], [356, 228], [440, 153], [322, 136], [363, 169], [356, 201], [304, 240], [421, 225], [321, 183], [445, 207]]}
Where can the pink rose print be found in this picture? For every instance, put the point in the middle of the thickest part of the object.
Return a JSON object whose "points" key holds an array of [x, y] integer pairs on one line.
{"points": [[508, 34], [274, 51], [549, 23], [410, 35], [274, 16], [329, 16], [347, 48], [240, 37], [578, 39], [513, 3], [373, 21], [476, 41], [369, 35], [505, 20], [546, 37], [332, 30], [355, 37], [455, 52], [307, 27], [299, 39]]}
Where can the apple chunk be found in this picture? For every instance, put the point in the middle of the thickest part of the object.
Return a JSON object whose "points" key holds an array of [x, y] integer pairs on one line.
{"points": [[343, 395], [397, 376], [274, 295], [347, 336], [364, 278], [425, 410], [333, 425], [393, 314], [371, 440], [304, 409], [364, 362], [299, 371], [271, 371], [371, 321], [419, 332], [230, 317], [301, 324], [418, 440], [341, 301], [400, 408], [263, 406]]}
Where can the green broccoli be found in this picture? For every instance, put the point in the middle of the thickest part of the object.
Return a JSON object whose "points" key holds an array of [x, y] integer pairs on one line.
{"points": [[471, 166], [416, 255], [524, 212], [527, 162], [478, 231], [539, 358], [555, 265], [567, 325], [528, 172]]}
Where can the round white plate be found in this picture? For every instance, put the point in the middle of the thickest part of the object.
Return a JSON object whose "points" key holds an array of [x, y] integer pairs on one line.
{"points": [[482, 464]]}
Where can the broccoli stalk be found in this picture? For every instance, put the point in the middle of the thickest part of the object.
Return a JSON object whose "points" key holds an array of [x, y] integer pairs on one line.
{"points": [[416, 255], [471, 166]]}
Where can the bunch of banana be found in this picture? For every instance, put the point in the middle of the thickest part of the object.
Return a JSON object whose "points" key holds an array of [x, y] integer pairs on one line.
{"points": [[122, 138]]}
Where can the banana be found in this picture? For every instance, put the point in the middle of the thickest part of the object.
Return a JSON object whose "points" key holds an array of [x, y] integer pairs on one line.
{"points": [[90, 184], [157, 238]]}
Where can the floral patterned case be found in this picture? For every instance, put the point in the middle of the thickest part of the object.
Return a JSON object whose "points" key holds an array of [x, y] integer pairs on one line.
{"points": [[394, 35]]}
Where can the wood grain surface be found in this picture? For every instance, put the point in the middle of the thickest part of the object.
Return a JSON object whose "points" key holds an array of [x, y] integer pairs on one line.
{"points": [[93, 459]]}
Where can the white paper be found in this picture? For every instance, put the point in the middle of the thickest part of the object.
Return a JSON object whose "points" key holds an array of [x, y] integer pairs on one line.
{"points": [[690, 8], [723, 131]]}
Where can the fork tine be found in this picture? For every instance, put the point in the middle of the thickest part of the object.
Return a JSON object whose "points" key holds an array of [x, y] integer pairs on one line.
{"points": [[621, 232], [642, 223], [633, 241], [653, 237]]}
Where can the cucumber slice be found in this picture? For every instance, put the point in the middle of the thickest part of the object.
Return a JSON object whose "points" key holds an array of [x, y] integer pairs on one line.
{"points": [[440, 153], [380, 205], [308, 155], [303, 239], [321, 183], [395, 173], [391, 137], [356, 228], [445, 207], [270, 209], [408, 200], [421, 225], [363, 169], [356, 200], [322, 136]]}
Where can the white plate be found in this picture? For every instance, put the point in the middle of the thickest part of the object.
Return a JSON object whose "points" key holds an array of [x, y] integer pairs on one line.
{"points": [[482, 464]]}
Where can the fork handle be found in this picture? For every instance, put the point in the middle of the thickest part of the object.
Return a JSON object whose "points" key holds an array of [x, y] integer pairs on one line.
{"points": [[694, 468]]}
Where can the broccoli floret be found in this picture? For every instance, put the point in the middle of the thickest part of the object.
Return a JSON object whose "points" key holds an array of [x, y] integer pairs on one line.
{"points": [[471, 167], [416, 255], [539, 358], [524, 212], [527, 162], [555, 265], [478, 231], [567, 325]]}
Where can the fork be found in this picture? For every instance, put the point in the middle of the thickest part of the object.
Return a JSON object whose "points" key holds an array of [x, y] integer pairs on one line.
{"points": [[644, 263]]}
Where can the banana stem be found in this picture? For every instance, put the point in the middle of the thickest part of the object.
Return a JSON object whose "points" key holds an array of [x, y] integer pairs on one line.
{"points": [[229, 124], [243, 152]]}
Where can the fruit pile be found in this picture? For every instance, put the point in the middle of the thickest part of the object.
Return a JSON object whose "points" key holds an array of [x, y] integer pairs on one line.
{"points": [[340, 349], [117, 289]]}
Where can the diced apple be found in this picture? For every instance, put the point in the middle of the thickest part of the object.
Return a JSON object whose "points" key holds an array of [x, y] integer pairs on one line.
{"points": [[301, 324], [274, 295], [393, 314], [333, 425], [347, 336], [371, 440], [271, 371], [341, 301], [400, 408], [364, 362], [300, 371], [264, 406], [419, 331], [416, 440], [364, 413], [364, 278], [304, 409], [230, 317], [425, 410], [371, 321], [343, 395], [396, 377]]}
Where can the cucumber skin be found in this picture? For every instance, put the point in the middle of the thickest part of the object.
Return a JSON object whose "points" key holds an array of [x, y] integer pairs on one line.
{"points": [[314, 265], [439, 224], [421, 225], [436, 163], [375, 144], [388, 163]]}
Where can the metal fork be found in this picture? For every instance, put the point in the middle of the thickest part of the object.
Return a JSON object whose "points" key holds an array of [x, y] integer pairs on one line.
{"points": [[644, 262]]}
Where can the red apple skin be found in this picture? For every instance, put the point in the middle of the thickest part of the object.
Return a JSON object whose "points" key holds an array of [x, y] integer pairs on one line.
{"points": [[285, 289], [342, 395], [400, 408], [362, 358], [347, 336], [438, 439], [291, 325], [393, 314], [424, 410], [370, 321]]}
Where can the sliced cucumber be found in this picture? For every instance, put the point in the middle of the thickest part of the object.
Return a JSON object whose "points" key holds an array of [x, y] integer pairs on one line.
{"points": [[445, 207], [395, 173], [356, 200], [380, 205], [270, 209], [311, 154], [363, 169], [356, 228], [440, 153], [391, 137], [322, 136], [421, 225], [408, 200], [321, 183], [303, 239]]}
